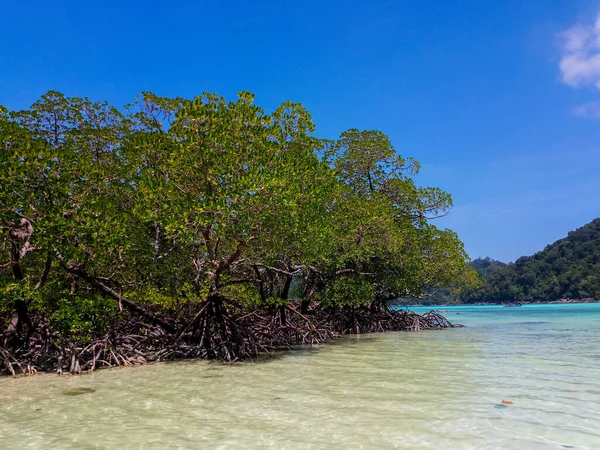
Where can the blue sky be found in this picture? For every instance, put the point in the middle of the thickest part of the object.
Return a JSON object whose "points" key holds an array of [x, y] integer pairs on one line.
{"points": [[499, 101]]}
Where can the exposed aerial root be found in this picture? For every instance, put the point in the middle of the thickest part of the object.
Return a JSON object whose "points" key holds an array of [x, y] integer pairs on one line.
{"points": [[215, 332]]}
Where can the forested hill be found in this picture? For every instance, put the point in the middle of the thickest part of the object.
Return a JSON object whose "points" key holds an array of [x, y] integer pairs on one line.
{"points": [[568, 268]]}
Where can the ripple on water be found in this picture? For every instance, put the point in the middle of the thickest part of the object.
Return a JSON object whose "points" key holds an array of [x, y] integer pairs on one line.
{"points": [[397, 390]]}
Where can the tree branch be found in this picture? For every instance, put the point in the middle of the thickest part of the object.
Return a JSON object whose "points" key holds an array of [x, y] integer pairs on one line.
{"points": [[98, 283], [45, 273]]}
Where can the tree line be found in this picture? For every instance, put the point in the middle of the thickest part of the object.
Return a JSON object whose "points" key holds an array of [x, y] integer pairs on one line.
{"points": [[192, 220], [569, 268]]}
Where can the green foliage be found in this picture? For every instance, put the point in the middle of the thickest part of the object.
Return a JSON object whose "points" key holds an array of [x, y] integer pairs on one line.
{"points": [[179, 200], [82, 317], [12, 292], [568, 268], [383, 220], [349, 291]]}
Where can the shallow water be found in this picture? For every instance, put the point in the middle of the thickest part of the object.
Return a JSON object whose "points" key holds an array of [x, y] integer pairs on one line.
{"points": [[426, 390]]}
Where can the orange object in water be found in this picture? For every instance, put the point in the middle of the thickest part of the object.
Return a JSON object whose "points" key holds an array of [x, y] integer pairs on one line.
{"points": [[506, 402]]}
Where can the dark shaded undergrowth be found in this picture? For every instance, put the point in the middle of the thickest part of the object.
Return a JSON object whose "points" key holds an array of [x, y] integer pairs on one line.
{"points": [[217, 333]]}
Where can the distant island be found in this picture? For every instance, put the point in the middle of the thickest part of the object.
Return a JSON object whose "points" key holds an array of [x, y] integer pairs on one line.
{"points": [[566, 271]]}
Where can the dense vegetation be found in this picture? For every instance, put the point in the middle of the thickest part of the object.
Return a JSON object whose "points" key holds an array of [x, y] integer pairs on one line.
{"points": [[568, 268], [203, 227]]}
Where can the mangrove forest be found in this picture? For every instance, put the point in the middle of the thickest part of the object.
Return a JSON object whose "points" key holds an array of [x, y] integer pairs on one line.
{"points": [[176, 228]]}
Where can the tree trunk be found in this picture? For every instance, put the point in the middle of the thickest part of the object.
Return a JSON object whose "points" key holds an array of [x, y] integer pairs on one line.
{"points": [[305, 305], [308, 291], [285, 292], [22, 309], [21, 233]]}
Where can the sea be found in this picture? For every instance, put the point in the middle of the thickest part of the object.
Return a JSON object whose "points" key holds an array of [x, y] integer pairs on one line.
{"points": [[513, 378]]}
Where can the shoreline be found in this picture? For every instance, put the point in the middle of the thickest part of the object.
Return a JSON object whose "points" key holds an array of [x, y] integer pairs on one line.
{"points": [[132, 342], [553, 302]]}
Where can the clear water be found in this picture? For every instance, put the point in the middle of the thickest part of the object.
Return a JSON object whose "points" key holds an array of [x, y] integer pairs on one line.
{"points": [[432, 390]]}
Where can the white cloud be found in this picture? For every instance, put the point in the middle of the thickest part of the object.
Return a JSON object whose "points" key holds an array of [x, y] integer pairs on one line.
{"points": [[589, 110], [580, 60]]}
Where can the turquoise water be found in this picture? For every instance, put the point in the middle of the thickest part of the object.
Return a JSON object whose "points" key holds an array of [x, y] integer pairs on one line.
{"points": [[427, 390]]}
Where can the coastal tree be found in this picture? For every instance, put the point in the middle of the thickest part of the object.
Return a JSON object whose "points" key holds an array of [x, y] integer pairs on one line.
{"points": [[203, 227]]}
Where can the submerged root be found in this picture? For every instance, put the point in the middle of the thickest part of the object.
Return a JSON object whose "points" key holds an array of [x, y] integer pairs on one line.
{"points": [[362, 320], [217, 334]]}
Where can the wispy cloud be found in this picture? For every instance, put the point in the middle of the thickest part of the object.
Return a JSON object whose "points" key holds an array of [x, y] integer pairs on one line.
{"points": [[580, 59], [589, 110], [580, 62]]}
